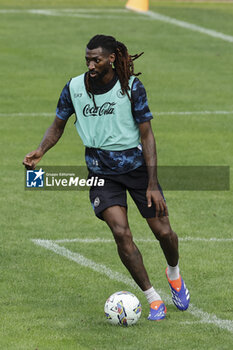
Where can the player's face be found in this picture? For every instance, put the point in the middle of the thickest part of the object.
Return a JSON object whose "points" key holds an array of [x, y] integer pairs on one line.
{"points": [[99, 63]]}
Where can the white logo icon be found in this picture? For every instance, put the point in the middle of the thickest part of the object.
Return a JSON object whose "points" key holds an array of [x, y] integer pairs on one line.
{"points": [[96, 202]]}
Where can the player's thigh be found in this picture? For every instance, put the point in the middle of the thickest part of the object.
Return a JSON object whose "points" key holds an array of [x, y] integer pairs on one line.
{"points": [[117, 219]]}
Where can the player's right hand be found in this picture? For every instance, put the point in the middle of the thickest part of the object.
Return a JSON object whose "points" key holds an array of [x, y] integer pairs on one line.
{"points": [[160, 204], [32, 158]]}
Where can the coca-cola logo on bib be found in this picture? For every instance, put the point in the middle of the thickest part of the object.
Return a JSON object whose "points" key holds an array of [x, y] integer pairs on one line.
{"points": [[106, 108]]}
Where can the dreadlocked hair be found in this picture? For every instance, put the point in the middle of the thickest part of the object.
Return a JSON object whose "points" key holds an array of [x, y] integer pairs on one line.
{"points": [[123, 64]]}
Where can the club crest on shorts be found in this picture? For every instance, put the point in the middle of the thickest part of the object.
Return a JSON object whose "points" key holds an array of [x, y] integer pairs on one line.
{"points": [[96, 202]]}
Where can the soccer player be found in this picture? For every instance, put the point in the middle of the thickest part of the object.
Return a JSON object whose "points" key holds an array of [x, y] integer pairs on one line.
{"points": [[113, 121]]}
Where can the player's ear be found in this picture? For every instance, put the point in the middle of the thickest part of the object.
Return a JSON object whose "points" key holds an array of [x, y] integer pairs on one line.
{"points": [[112, 57]]}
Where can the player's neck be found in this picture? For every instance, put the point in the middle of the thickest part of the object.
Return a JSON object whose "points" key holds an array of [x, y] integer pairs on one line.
{"points": [[107, 78]]}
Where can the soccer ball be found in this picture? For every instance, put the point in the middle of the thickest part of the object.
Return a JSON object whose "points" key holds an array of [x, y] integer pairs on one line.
{"points": [[123, 308]]}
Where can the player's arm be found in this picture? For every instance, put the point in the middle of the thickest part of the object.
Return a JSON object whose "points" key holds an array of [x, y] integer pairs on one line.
{"points": [[52, 135], [142, 116], [64, 110], [150, 156]]}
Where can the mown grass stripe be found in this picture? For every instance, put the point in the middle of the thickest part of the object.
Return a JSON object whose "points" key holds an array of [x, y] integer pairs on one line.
{"points": [[182, 239], [50, 114], [203, 316], [90, 13]]}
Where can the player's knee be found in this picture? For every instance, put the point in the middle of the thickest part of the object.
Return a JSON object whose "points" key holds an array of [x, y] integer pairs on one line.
{"points": [[165, 234], [122, 234]]}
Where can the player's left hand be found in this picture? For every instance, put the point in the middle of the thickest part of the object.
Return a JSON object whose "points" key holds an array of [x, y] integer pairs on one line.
{"points": [[32, 158], [160, 204]]}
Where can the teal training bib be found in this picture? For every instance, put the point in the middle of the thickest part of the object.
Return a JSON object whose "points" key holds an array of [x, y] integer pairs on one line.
{"points": [[109, 126]]}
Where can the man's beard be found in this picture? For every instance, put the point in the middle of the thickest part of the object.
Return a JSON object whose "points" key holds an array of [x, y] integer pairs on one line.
{"points": [[99, 76]]}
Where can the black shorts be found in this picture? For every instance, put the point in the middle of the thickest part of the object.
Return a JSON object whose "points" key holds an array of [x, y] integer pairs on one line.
{"points": [[114, 192]]}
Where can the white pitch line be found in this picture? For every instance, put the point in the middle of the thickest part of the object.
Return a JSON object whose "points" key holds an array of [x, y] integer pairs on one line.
{"points": [[57, 13], [78, 13], [182, 239], [83, 261], [193, 112], [28, 114], [211, 319], [209, 240], [103, 10], [187, 25], [187, 113], [66, 10]]}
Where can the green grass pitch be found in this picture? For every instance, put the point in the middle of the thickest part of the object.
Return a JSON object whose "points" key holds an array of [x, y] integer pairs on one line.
{"points": [[49, 302]]}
